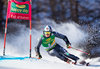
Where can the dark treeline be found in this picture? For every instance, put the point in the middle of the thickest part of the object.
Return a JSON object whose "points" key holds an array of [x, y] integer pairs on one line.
{"points": [[80, 11]]}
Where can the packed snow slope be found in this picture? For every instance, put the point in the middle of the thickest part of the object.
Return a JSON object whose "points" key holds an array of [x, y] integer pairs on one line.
{"points": [[18, 45], [41, 64]]}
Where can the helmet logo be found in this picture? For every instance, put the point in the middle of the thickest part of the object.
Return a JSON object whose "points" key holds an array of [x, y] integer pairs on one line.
{"points": [[47, 28]]}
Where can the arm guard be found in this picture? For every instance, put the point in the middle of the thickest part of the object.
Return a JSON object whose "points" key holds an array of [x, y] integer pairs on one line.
{"points": [[37, 48], [62, 37]]}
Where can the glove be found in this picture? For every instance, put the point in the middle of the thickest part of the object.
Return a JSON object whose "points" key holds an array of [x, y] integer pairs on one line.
{"points": [[69, 46], [39, 56]]}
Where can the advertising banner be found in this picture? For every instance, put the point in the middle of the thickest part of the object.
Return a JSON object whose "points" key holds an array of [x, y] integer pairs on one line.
{"points": [[19, 10]]}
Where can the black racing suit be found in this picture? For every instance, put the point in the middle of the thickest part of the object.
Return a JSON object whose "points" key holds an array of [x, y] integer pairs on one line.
{"points": [[58, 51]]}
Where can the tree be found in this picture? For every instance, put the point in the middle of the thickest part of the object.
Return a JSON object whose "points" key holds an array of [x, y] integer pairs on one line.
{"points": [[1, 14], [74, 10]]}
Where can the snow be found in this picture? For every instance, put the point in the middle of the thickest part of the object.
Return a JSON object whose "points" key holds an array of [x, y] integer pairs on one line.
{"points": [[18, 45], [40, 64]]}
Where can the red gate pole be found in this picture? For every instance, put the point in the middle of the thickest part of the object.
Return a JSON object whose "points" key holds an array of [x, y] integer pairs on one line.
{"points": [[5, 37], [30, 28], [5, 31]]}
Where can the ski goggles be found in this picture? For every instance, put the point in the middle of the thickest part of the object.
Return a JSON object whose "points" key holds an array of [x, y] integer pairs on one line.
{"points": [[47, 33]]}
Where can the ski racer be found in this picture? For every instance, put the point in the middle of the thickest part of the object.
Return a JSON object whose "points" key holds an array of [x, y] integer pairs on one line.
{"points": [[54, 49]]}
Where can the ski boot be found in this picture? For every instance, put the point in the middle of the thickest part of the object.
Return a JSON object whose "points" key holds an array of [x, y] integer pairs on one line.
{"points": [[83, 62], [75, 62], [87, 64], [68, 61]]}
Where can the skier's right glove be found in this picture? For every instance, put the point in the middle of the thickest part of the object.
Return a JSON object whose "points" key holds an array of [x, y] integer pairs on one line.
{"points": [[69, 46], [39, 56]]}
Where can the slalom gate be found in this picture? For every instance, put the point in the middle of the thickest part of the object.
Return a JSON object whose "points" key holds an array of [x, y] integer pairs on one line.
{"points": [[19, 11]]}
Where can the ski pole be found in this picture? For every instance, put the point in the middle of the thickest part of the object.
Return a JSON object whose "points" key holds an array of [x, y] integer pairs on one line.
{"points": [[80, 51]]}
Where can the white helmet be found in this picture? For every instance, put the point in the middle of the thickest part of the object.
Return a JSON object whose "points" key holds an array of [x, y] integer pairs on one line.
{"points": [[48, 29]]}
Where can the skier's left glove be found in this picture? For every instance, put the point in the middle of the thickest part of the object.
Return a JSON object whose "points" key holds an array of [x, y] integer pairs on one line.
{"points": [[69, 46]]}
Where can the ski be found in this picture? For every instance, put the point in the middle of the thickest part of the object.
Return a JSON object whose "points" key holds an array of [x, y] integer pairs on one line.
{"points": [[88, 61], [82, 63]]}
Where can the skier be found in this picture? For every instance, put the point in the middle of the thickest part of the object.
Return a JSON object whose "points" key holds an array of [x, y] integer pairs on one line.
{"points": [[54, 49]]}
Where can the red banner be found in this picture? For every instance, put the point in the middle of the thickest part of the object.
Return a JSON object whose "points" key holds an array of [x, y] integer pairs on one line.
{"points": [[19, 10]]}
